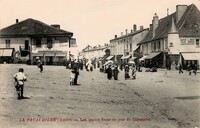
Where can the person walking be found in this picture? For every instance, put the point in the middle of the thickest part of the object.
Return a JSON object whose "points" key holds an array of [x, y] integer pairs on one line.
{"points": [[115, 73], [180, 69], [189, 68], [195, 69], [76, 75], [20, 78], [133, 73], [109, 72], [126, 72]]}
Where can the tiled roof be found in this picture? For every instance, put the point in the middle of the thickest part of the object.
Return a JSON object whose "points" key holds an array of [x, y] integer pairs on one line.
{"points": [[31, 27], [89, 48], [129, 34], [188, 25]]}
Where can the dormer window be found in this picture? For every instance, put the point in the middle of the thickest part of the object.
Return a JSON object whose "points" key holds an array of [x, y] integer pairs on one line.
{"points": [[49, 43]]}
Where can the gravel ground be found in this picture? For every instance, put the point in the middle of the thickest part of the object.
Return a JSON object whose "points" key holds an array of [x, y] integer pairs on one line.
{"points": [[162, 99]]}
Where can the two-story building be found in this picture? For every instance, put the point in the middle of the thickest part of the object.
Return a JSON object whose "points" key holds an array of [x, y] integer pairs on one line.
{"points": [[31, 38], [94, 52], [125, 46], [173, 39]]}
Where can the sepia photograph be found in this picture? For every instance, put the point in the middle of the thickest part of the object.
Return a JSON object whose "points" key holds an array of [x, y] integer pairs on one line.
{"points": [[99, 63]]}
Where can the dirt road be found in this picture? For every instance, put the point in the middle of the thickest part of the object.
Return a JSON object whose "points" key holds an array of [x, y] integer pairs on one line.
{"points": [[163, 99]]}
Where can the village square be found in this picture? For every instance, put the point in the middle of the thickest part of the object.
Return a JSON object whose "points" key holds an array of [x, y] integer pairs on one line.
{"points": [[145, 77]]}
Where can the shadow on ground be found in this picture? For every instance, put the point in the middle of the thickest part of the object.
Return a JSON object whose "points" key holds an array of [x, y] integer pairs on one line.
{"points": [[188, 98]]}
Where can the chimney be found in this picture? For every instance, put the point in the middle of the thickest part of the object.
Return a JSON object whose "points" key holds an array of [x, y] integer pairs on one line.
{"points": [[121, 33], [155, 22], [56, 26], [134, 28], [150, 26], [141, 27], [180, 10], [17, 20], [126, 31], [115, 36]]}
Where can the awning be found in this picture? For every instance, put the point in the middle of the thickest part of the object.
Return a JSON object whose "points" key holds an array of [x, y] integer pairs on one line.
{"points": [[133, 58], [6, 52], [152, 55], [126, 57], [60, 54], [37, 54], [108, 62], [49, 54], [143, 58], [191, 56], [136, 48], [109, 58]]}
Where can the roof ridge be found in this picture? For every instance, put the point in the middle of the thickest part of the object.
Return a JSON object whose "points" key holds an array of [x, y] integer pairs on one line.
{"points": [[15, 24], [49, 25]]}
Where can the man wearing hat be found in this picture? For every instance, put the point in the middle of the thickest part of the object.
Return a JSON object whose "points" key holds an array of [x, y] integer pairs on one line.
{"points": [[20, 78]]}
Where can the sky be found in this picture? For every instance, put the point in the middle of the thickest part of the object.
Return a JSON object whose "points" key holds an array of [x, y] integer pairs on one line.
{"points": [[93, 22]]}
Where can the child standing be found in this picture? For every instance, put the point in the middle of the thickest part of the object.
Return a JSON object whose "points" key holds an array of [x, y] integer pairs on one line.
{"points": [[72, 77], [40, 65], [20, 78]]}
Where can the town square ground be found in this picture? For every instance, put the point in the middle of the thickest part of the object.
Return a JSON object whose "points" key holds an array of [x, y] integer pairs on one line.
{"points": [[163, 99]]}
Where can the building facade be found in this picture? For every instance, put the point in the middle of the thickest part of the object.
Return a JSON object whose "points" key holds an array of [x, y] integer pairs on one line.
{"points": [[93, 52], [126, 46], [173, 38], [31, 38]]}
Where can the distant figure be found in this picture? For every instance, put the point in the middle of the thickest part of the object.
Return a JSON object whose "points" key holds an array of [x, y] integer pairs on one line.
{"points": [[139, 68], [126, 72], [189, 68], [76, 75], [180, 69], [72, 77], [195, 69], [133, 73], [20, 78], [39, 64], [109, 72], [115, 73]]}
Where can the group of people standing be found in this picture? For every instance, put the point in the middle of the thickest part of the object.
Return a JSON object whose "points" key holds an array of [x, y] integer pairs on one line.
{"points": [[112, 72], [190, 68], [129, 72]]}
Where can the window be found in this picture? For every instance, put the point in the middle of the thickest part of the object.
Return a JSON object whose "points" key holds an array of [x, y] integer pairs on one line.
{"points": [[26, 44], [170, 44], [49, 43], [7, 43], [38, 43], [183, 41], [154, 46], [130, 47], [191, 42], [158, 46], [197, 42], [166, 43]]}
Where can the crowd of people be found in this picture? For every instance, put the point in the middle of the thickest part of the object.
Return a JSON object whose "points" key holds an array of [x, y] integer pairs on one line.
{"points": [[111, 69]]}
